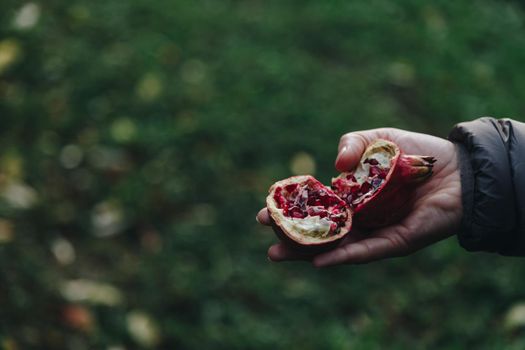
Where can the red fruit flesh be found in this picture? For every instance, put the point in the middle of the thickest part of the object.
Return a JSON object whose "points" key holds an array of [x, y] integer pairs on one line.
{"points": [[310, 199], [307, 212], [355, 191]]}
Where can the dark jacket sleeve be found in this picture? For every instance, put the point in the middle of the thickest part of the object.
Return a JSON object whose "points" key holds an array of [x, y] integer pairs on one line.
{"points": [[492, 165]]}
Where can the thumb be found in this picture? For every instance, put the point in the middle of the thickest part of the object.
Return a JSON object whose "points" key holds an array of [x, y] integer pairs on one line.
{"points": [[353, 145]]}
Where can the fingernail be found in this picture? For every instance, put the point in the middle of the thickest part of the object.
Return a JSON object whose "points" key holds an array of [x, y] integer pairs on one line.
{"points": [[257, 219]]}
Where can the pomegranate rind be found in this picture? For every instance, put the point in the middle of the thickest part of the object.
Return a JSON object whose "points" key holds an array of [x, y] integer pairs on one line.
{"points": [[379, 145], [391, 201], [286, 227]]}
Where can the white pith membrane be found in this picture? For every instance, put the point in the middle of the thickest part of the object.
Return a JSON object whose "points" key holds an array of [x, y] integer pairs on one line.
{"points": [[373, 168], [311, 229]]}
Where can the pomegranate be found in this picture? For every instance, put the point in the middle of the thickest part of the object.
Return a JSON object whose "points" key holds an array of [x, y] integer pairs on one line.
{"points": [[309, 215], [379, 189], [313, 217]]}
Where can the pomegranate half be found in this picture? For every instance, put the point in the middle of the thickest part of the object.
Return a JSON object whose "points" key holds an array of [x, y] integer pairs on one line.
{"points": [[312, 217], [379, 189], [308, 215]]}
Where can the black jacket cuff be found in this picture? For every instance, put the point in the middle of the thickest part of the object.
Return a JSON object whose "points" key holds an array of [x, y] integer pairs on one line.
{"points": [[489, 213]]}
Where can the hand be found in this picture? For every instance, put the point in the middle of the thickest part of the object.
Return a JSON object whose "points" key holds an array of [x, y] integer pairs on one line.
{"points": [[436, 212]]}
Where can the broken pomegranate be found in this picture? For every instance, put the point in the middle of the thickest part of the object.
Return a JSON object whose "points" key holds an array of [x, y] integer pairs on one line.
{"points": [[313, 217], [308, 214], [379, 189]]}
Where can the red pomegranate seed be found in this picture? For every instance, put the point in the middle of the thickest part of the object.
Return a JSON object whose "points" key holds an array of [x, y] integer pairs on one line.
{"points": [[354, 190], [290, 188], [371, 161], [376, 183], [365, 187], [297, 213], [281, 201], [374, 171], [351, 178]]}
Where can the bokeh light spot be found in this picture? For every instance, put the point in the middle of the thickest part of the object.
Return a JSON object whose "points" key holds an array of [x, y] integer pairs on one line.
{"points": [[63, 251], [193, 71], [149, 87], [9, 52], [71, 156], [27, 17], [302, 164], [142, 328], [7, 232], [123, 130]]}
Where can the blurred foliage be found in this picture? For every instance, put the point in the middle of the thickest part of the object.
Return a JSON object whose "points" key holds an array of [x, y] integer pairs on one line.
{"points": [[138, 139]]}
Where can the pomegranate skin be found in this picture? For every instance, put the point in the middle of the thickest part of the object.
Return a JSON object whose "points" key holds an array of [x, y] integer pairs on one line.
{"points": [[306, 249], [392, 200], [386, 208], [292, 236]]}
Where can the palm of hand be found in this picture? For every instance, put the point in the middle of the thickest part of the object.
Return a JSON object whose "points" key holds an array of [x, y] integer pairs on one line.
{"points": [[435, 214]]}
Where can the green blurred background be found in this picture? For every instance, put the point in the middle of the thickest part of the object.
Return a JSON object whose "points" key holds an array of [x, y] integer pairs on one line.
{"points": [[138, 139]]}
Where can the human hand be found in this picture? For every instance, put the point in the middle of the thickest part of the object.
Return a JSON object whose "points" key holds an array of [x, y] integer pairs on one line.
{"points": [[435, 215]]}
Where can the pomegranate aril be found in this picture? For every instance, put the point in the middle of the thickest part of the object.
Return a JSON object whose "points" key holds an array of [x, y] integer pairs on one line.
{"points": [[296, 213], [355, 190], [314, 200], [290, 188], [376, 183], [374, 171], [281, 201], [365, 187], [351, 178], [337, 217], [338, 183]]}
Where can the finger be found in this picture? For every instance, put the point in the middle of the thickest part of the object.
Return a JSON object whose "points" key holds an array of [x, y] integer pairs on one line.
{"points": [[263, 217], [367, 250], [280, 252], [352, 146], [355, 235]]}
